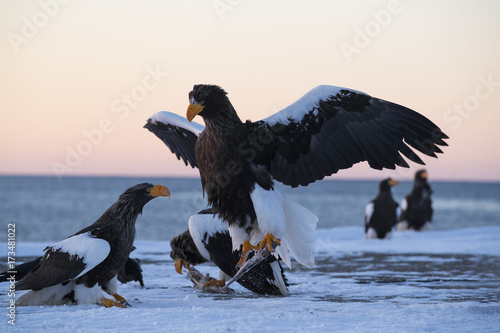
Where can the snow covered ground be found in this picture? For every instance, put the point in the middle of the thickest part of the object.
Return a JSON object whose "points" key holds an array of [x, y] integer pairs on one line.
{"points": [[435, 281]]}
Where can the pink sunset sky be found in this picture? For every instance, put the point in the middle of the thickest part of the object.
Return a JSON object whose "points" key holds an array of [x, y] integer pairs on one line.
{"points": [[79, 79]]}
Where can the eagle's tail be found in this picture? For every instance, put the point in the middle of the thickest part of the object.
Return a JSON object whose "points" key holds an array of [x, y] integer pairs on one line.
{"points": [[292, 223], [54, 295], [299, 235]]}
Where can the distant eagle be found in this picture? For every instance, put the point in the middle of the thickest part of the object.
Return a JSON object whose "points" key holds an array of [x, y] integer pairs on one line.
{"points": [[207, 239], [381, 213], [416, 207], [77, 269], [328, 129]]}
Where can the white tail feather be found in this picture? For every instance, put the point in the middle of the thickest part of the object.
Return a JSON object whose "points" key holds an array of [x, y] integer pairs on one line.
{"points": [[283, 252], [47, 296], [288, 221], [371, 234], [54, 295], [278, 278], [403, 226], [299, 236]]}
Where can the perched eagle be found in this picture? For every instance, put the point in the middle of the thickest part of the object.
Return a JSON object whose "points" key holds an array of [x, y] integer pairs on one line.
{"points": [[207, 239], [328, 129], [77, 269], [131, 271], [416, 207], [381, 213]]}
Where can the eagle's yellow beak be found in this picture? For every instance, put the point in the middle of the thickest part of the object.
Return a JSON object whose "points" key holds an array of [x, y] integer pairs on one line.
{"points": [[193, 110], [159, 191], [393, 182]]}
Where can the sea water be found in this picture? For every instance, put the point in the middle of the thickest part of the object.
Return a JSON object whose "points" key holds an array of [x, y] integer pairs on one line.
{"points": [[51, 208]]}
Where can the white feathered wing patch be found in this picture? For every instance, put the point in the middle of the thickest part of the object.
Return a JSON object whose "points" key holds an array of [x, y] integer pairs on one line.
{"points": [[205, 224], [92, 250], [166, 117]]}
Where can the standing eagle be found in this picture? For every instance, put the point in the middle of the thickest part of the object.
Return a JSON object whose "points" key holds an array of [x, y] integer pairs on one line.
{"points": [[77, 269], [416, 207], [207, 239], [328, 129], [381, 213]]}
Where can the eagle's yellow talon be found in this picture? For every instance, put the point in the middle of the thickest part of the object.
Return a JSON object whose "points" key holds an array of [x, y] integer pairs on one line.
{"points": [[268, 241], [247, 247], [108, 303], [119, 298]]}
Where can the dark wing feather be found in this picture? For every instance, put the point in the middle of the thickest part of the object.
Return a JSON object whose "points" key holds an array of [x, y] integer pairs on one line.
{"points": [[177, 133], [131, 271], [65, 261], [333, 128], [54, 268], [21, 270]]}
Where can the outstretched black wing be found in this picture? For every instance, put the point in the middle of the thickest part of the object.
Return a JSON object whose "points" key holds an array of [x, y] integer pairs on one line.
{"points": [[332, 128], [328, 129], [66, 260], [177, 133]]}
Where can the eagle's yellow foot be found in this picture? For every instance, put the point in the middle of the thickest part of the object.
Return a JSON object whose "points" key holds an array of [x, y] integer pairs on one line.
{"points": [[268, 241], [179, 264], [247, 247], [215, 282], [108, 303], [119, 298]]}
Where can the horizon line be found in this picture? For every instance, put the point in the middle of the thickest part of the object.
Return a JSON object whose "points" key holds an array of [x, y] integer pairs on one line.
{"points": [[328, 178]]}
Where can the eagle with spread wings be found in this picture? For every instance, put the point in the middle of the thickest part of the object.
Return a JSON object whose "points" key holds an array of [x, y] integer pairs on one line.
{"points": [[326, 130]]}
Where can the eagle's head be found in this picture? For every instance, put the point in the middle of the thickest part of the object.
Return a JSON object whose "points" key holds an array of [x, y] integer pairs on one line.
{"points": [[136, 197], [420, 183], [184, 252], [386, 184], [421, 176], [211, 103]]}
